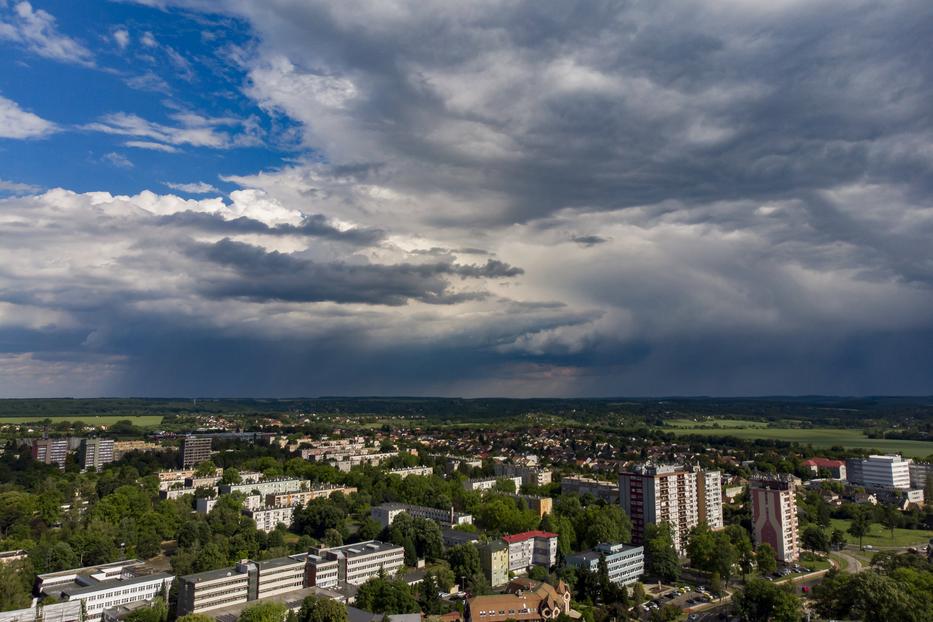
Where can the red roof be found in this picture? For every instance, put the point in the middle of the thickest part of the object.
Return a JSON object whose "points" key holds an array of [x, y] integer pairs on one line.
{"points": [[527, 535], [824, 463]]}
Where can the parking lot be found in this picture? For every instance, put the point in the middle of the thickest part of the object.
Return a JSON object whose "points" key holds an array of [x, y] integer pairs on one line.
{"points": [[683, 598]]}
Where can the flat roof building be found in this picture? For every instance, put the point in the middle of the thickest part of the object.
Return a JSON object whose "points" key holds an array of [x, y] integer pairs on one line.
{"points": [[194, 450], [96, 452], [625, 563], [385, 514]]}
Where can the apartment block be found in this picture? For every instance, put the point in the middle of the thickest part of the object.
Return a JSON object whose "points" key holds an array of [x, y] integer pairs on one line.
{"points": [[709, 498], [69, 611], [194, 450], [363, 560], [301, 497], [488, 483], [531, 476], [204, 591], [121, 448], [651, 494], [879, 471], [774, 514], [96, 452], [267, 487], [267, 519], [385, 514], [920, 473], [204, 505], [605, 491], [415, 470], [51, 451], [542, 506], [494, 559], [104, 586], [531, 548], [625, 563]]}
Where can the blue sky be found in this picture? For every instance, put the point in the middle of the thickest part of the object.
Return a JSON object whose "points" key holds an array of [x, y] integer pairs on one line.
{"points": [[147, 62], [505, 197]]}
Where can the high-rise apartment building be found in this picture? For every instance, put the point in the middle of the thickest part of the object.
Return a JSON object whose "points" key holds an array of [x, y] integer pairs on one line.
{"points": [[194, 450], [51, 451], [879, 472], [709, 497], [774, 514], [96, 452], [651, 494]]}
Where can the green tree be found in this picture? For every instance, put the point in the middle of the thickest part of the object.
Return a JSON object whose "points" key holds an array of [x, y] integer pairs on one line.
{"points": [[837, 539], [205, 469], [715, 584], [264, 612], [763, 601], [195, 617], [315, 609], [387, 596], [814, 538], [861, 524], [661, 558], [890, 518], [465, 563], [15, 585], [766, 558], [231, 476]]}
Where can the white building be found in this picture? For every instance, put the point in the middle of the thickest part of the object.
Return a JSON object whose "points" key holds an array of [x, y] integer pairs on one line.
{"points": [[709, 497], [531, 548], [104, 586], [415, 470], [267, 487], [69, 611], [356, 563], [885, 472], [625, 563], [531, 476], [488, 483], [920, 472], [267, 519], [651, 494], [385, 514], [205, 504]]}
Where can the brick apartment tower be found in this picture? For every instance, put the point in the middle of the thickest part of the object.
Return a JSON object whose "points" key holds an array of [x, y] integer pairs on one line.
{"points": [[774, 514], [652, 494]]}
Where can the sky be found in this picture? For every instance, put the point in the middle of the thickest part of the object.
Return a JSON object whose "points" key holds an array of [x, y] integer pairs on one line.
{"points": [[487, 198]]}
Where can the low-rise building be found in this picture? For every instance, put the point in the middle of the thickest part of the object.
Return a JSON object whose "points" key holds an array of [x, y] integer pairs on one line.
{"points": [[104, 586], [835, 468], [301, 497], [267, 519], [531, 548], [494, 559], [267, 487], [525, 601], [605, 491], [488, 483], [415, 470], [625, 563], [68, 611], [385, 514], [542, 506], [204, 505], [920, 473], [531, 476], [361, 561], [879, 471]]}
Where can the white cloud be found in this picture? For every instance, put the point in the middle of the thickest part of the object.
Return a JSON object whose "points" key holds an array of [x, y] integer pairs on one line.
{"points": [[17, 187], [148, 40], [121, 37], [192, 188], [151, 146], [118, 159], [37, 31], [18, 123], [193, 130]]}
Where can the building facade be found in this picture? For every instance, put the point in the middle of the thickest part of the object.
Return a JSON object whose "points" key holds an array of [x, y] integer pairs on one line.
{"points": [[267, 519], [494, 559], [358, 562], [194, 450], [301, 497], [709, 498], [96, 452], [415, 470], [50, 451], [652, 494], [774, 514], [488, 483], [605, 491], [531, 476], [385, 514], [920, 473], [531, 548], [879, 471], [267, 487], [625, 563]]}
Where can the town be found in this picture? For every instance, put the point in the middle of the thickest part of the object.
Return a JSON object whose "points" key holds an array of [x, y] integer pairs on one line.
{"points": [[528, 523]]}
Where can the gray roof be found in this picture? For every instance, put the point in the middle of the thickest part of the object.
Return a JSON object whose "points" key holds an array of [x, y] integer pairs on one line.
{"points": [[279, 561], [78, 590], [207, 575]]}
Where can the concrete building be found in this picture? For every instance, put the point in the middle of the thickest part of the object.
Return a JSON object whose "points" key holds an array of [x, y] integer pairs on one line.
{"points": [[488, 483], [301, 497], [363, 560], [652, 494], [50, 451], [920, 473], [204, 591], [69, 611], [494, 559], [121, 448], [835, 468], [423, 471], [194, 450], [709, 498], [625, 563], [96, 452], [774, 514], [879, 471], [385, 514], [267, 519], [531, 548], [105, 586], [542, 506], [204, 505], [267, 487], [531, 476], [605, 491]]}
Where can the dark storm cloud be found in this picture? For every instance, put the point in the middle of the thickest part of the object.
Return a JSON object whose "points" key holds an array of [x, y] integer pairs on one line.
{"points": [[589, 240], [314, 225], [262, 275]]}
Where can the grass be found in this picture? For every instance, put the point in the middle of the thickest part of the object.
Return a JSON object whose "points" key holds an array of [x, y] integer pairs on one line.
{"points": [[817, 437], [711, 423], [144, 421], [880, 537]]}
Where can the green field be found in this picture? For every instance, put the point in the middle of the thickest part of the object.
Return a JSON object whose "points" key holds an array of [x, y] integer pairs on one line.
{"points": [[818, 437], [881, 537], [143, 421], [712, 423]]}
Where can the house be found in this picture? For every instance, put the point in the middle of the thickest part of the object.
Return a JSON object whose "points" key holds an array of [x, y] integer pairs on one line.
{"points": [[525, 601]]}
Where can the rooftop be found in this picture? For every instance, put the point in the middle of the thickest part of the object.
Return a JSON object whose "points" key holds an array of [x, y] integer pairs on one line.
{"points": [[520, 537]]}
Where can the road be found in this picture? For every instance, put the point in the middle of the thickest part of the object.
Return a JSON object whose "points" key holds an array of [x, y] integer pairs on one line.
{"points": [[852, 564]]}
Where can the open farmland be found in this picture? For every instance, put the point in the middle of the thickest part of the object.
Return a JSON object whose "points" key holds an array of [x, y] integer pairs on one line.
{"points": [[817, 437], [143, 421]]}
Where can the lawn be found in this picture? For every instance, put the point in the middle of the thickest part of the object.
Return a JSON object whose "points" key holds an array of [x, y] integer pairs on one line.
{"points": [[709, 423], [143, 421], [880, 537], [818, 437]]}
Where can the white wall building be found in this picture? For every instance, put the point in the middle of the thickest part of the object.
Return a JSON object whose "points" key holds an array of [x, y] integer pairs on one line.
{"points": [[625, 563], [886, 472]]}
